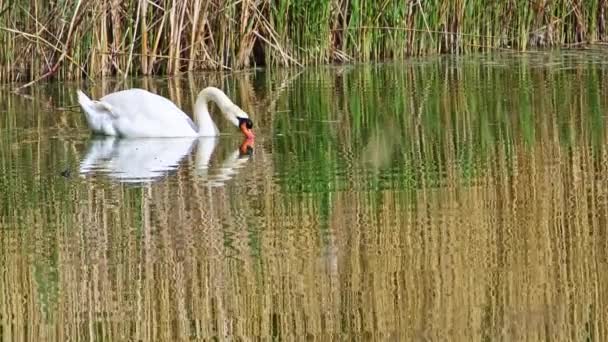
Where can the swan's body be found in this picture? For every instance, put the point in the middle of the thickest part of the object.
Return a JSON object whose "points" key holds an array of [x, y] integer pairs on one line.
{"points": [[137, 113]]}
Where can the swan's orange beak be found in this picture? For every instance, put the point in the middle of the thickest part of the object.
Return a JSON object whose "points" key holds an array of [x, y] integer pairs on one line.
{"points": [[247, 131]]}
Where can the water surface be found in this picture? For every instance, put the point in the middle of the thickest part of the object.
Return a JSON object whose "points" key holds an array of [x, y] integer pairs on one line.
{"points": [[439, 199]]}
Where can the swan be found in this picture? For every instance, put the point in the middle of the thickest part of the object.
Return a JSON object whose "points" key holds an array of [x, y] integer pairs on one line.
{"points": [[138, 113]]}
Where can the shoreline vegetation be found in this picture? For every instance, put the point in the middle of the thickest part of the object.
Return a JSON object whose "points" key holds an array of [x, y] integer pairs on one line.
{"points": [[75, 39]]}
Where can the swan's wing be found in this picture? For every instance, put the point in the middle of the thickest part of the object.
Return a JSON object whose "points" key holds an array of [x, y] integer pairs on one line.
{"points": [[139, 105]]}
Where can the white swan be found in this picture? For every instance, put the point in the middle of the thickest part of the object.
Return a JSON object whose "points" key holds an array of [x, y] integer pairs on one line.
{"points": [[137, 113]]}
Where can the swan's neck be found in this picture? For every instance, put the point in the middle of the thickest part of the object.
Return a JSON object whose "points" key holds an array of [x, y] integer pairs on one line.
{"points": [[206, 126]]}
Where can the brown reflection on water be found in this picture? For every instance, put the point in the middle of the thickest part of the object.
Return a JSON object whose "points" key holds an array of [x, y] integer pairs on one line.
{"points": [[519, 256], [515, 250]]}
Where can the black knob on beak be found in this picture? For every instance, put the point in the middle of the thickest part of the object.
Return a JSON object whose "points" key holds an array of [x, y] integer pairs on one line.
{"points": [[248, 123]]}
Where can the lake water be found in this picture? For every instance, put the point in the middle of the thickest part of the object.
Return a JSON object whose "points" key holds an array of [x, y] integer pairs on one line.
{"points": [[451, 198]]}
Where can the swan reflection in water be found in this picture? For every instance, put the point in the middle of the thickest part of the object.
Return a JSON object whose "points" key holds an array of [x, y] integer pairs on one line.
{"points": [[148, 160]]}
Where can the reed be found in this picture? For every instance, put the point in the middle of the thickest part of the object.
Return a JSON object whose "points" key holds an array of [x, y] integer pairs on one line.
{"points": [[76, 39]]}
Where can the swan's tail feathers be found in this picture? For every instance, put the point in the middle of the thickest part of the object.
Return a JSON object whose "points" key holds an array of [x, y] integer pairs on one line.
{"points": [[97, 114], [93, 107], [83, 99]]}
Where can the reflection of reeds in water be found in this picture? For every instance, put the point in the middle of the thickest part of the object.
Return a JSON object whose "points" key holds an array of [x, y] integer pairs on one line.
{"points": [[463, 217]]}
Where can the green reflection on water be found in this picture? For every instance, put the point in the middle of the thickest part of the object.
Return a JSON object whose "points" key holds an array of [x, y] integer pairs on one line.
{"points": [[466, 182]]}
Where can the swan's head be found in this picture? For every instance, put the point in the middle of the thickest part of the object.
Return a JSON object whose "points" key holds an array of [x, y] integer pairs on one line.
{"points": [[240, 119]]}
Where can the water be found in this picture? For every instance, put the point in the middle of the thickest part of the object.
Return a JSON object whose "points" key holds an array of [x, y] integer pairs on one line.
{"points": [[447, 198]]}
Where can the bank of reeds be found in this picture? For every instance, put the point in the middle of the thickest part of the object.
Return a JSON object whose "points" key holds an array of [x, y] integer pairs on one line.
{"points": [[79, 38]]}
